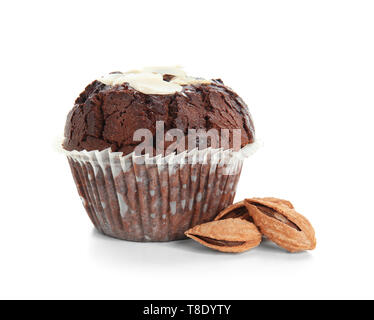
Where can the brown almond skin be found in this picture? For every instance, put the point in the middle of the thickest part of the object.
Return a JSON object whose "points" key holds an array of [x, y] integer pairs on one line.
{"points": [[236, 210], [284, 234], [278, 201], [239, 210], [228, 235]]}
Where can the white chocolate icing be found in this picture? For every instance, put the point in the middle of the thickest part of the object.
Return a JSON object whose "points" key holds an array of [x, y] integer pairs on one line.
{"points": [[174, 71], [189, 80], [150, 80]]}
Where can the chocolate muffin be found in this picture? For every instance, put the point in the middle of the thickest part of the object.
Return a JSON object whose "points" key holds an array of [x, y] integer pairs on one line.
{"points": [[156, 200]]}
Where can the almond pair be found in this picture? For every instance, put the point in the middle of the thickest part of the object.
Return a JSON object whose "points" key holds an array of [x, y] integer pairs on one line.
{"points": [[240, 227]]}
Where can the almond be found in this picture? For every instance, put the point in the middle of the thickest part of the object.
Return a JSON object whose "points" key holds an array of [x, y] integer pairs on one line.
{"points": [[239, 210], [282, 224], [236, 210], [278, 201], [229, 235]]}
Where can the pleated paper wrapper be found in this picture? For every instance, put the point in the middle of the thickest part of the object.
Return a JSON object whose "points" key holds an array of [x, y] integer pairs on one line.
{"points": [[141, 198]]}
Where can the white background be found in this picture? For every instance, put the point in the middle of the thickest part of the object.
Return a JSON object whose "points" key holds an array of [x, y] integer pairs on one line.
{"points": [[306, 71]]}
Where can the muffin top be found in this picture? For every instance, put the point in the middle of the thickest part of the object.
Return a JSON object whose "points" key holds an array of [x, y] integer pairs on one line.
{"points": [[111, 109]]}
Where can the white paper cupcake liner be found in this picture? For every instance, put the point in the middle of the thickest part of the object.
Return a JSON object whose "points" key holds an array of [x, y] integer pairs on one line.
{"points": [[159, 198]]}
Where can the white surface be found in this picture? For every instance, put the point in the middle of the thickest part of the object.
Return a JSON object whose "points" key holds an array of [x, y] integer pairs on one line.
{"points": [[305, 69]]}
